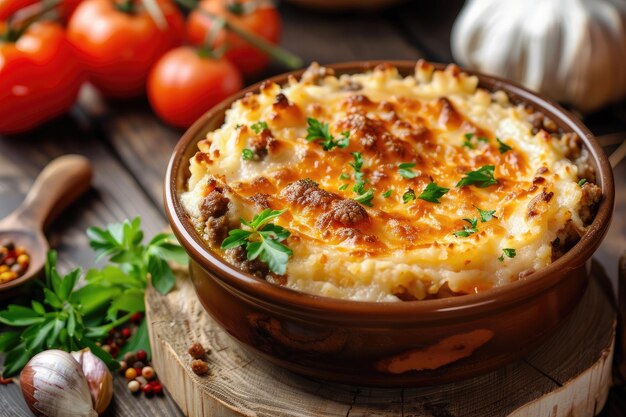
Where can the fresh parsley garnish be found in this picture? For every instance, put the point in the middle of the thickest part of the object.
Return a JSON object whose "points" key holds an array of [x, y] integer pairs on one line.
{"points": [[467, 143], [433, 193], [321, 131], [72, 318], [387, 193], [344, 176], [405, 170], [343, 187], [582, 182], [262, 240], [507, 252], [365, 198], [473, 228], [485, 215], [409, 195], [247, 154], [503, 146], [259, 126], [482, 177]]}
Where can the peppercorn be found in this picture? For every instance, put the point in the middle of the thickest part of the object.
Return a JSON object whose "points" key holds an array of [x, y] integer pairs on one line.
{"points": [[123, 366], [141, 355], [126, 333], [196, 351], [133, 386], [139, 365], [129, 357], [158, 389], [136, 318], [130, 373], [148, 372], [148, 390], [13, 261], [106, 348], [199, 367]]}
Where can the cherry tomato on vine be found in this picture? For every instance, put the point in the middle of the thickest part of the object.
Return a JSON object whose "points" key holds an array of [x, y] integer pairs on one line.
{"points": [[254, 16], [10, 7], [119, 42], [39, 76], [186, 83]]}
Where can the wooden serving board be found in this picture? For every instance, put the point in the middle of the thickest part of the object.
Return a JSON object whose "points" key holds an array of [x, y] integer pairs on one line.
{"points": [[569, 375]]}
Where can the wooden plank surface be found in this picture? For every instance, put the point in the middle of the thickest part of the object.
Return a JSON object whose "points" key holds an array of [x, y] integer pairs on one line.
{"points": [[129, 146]]}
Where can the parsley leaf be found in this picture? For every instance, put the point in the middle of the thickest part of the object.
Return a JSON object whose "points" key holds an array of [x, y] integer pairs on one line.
{"points": [[482, 177], [409, 195], [582, 182], [511, 253], [473, 228], [503, 146], [318, 130], [259, 126], [405, 171], [387, 193], [247, 154], [263, 241], [343, 187], [433, 193], [344, 176], [467, 143], [365, 198], [485, 215]]}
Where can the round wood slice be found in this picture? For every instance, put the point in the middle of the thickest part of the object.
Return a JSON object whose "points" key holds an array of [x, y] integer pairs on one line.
{"points": [[569, 375]]}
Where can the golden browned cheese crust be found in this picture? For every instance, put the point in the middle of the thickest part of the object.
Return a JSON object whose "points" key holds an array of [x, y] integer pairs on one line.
{"points": [[397, 248]]}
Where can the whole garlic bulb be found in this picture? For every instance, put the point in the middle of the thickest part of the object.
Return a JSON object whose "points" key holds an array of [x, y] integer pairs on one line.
{"points": [[98, 377], [572, 51], [54, 385]]}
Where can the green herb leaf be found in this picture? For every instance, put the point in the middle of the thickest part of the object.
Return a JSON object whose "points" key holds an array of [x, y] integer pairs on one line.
{"points": [[247, 154], [343, 187], [317, 130], [405, 171], [163, 278], [482, 177], [365, 198], [582, 182], [485, 215], [511, 253], [503, 146], [387, 193], [433, 193], [409, 195], [344, 176], [473, 228], [263, 241], [467, 143], [259, 126]]}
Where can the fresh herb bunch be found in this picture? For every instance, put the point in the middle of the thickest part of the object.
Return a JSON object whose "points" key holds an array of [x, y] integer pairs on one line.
{"points": [[482, 177], [68, 319], [71, 318], [263, 240], [321, 131], [122, 244]]}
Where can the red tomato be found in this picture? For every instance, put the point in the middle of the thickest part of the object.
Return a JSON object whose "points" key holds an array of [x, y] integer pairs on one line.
{"points": [[263, 21], [118, 48], [39, 77], [9, 7], [183, 85]]}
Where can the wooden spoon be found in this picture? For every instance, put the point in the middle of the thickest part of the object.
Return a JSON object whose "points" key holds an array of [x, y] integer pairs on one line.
{"points": [[60, 183]]}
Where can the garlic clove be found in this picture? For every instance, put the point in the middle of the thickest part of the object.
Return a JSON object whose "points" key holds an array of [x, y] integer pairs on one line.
{"points": [[53, 385], [99, 378]]}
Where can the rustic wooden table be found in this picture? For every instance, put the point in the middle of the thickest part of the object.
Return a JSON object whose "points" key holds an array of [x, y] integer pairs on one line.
{"points": [[129, 148]]}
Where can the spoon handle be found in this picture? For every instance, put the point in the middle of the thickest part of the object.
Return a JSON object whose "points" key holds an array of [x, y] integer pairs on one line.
{"points": [[60, 183]]}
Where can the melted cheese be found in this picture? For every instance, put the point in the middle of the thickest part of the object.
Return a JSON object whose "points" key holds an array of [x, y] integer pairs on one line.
{"points": [[399, 249]]}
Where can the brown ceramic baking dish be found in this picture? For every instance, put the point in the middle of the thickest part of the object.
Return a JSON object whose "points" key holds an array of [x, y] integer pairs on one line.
{"points": [[388, 343]]}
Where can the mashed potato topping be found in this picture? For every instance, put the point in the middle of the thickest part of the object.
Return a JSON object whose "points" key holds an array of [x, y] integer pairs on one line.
{"points": [[422, 186]]}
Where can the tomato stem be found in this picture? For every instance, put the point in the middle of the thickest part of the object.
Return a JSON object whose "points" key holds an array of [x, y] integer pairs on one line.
{"points": [[19, 22], [277, 53], [126, 6]]}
